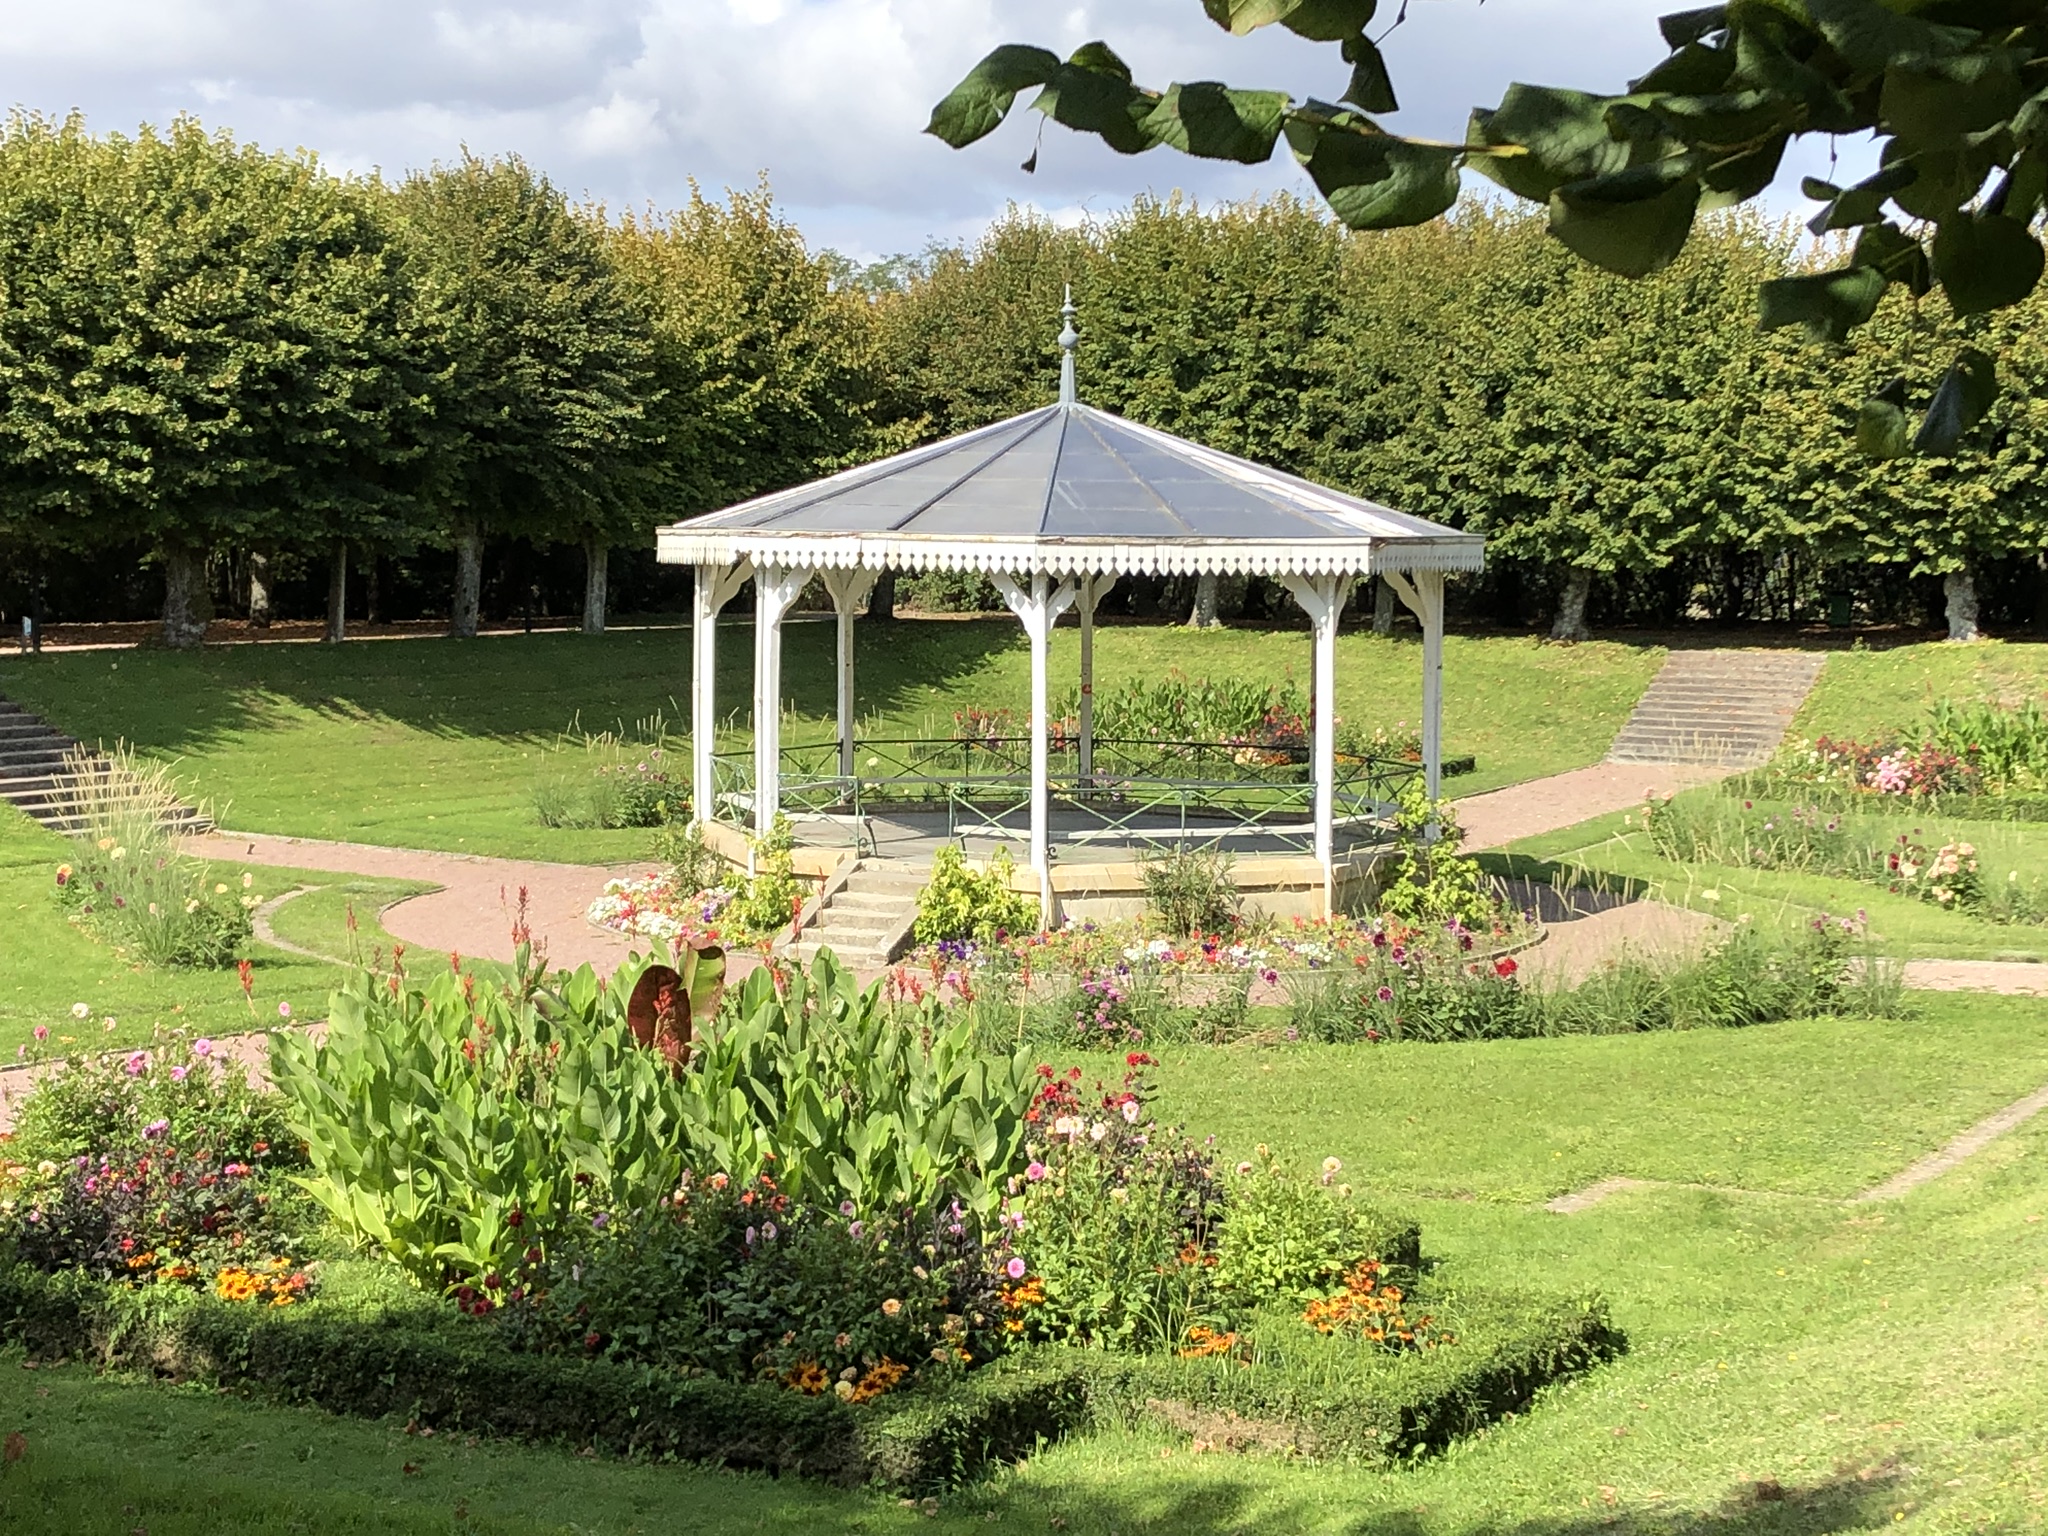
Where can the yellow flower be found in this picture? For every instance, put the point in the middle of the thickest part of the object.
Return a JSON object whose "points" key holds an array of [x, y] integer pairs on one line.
{"points": [[891, 1307], [247, 881], [220, 888]]}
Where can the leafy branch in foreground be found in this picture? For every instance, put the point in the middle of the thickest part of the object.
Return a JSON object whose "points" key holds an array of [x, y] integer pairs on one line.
{"points": [[1957, 90]]}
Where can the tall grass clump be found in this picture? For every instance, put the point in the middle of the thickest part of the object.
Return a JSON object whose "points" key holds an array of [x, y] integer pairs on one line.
{"points": [[125, 879], [611, 779]]}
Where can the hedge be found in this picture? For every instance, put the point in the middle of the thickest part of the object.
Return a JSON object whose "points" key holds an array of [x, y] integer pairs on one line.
{"points": [[1315, 1396]]}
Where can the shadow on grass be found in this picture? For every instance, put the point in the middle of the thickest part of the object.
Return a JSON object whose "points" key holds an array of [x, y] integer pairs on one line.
{"points": [[508, 687], [1844, 1503], [1559, 891]]}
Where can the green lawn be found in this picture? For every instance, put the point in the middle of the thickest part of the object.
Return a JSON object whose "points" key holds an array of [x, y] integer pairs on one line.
{"points": [[1864, 693], [1614, 851], [438, 744], [47, 965], [1877, 1366]]}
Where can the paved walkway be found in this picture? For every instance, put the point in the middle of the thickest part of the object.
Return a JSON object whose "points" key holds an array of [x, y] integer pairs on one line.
{"points": [[1566, 799], [473, 911]]}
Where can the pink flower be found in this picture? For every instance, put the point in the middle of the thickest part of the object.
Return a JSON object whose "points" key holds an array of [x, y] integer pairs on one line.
{"points": [[1016, 1269], [138, 1063], [42, 1032], [1131, 1111], [202, 1047], [284, 1010], [1035, 1172], [178, 1074]]}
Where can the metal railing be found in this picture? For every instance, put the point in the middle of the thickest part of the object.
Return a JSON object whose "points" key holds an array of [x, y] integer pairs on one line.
{"points": [[1141, 790]]}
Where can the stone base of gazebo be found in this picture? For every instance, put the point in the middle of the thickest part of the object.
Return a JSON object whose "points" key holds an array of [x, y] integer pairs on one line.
{"points": [[1094, 878]]}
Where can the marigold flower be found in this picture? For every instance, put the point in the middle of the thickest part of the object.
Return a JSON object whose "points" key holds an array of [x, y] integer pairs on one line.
{"points": [[891, 1307]]}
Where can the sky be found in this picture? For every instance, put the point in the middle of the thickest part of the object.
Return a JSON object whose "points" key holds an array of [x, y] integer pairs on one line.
{"points": [[629, 101]]}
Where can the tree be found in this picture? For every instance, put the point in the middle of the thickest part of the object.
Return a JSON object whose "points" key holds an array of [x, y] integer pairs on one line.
{"points": [[1956, 89], [544, 372], [202, 346]]}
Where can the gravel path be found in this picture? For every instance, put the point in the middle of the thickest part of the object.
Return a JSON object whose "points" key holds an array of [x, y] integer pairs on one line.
{"points": [[1566, 799]]}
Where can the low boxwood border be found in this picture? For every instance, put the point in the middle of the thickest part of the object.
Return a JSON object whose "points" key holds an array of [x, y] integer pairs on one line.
{"points": [[1314, 1396]]}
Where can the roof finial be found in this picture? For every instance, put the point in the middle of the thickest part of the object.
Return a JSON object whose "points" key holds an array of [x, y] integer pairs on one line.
{"points": [[1069, 339]]}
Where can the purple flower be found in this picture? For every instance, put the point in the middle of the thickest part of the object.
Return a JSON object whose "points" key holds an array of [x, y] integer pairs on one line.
{"points": [[751, 1235], [854, 1229], [768, 1230], [202, 1047], [155, 1129], [600, 1221], [1016, 1269], [1385, 994]]}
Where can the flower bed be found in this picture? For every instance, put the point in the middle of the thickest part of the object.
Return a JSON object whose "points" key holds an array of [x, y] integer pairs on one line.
{"points": [[656, 906]]}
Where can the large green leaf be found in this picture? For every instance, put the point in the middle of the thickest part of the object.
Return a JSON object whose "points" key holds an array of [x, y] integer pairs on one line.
{"points": [[1243, 16], [1896, 254], [1371, 88], [974, 107], [1829, 304], [1217, 123], [1727, 120], [1101, 102], [1682, 28], [1871, 36], [1371, 179], [1331, 21], [1565, 133], [1965, 394], [1634, 222], [1737, 178], [1858, 205], [1694, 70], [1985, 261], [1936, 103]]}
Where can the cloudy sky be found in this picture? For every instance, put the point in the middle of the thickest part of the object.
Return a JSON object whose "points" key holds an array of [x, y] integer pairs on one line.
{"points": [[628, 100]]}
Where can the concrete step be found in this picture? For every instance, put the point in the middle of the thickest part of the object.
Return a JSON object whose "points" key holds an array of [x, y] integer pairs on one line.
{"points": [[850, 900], [1718, 707]]}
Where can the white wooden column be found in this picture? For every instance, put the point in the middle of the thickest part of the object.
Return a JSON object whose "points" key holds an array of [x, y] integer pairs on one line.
{"points": [[775, 588], [1322, 599], [1092, 589], [1423, 592], [1039, 608], [849, 590], [716, 585]]}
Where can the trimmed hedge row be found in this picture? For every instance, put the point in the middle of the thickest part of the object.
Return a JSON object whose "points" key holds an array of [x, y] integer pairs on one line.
{"points": [[1322, 1397]]}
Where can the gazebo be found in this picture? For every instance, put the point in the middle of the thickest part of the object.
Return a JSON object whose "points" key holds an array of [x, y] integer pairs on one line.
{"points": [[1053, 506]]}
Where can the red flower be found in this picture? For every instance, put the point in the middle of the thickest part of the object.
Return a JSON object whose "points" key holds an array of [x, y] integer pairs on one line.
{"points": [[1505, 966]]}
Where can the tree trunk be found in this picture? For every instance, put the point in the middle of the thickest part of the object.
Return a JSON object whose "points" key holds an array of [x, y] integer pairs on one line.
{"points": [[187, 603], [1383, 601], [1960, 588], [882, 598], [1571, 606], [1203, 614], [373, 590], [597, 557], [337, 592], [469, 582], [259, 589]]}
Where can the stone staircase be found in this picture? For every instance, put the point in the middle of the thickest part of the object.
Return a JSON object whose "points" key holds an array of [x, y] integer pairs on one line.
{"points": [[1725, 708], [861, 919], [37, 777]]}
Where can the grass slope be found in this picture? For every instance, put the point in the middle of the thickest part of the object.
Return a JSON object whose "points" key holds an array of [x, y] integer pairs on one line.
{"points": [[1863, 693], [1797, 1365], [437, 744]]}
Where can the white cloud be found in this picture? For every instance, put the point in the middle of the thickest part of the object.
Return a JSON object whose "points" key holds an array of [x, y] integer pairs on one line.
{"points": [[628, 99]]}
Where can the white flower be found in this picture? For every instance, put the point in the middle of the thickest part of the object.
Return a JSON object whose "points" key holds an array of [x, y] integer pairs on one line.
{"points": [[1098, 1130], [81, 1010]]}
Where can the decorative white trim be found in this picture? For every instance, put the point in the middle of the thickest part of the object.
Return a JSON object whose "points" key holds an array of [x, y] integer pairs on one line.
{"points": [[683, 544]]}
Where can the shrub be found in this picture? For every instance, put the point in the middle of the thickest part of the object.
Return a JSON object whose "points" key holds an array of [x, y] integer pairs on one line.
{"points": [[453, 1126], [1190, 891], [771, 899], [1429, 882], [127, 882], [693, 865], [746, 1283], [2005, 747], [133, 1170], [963, 903]]}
